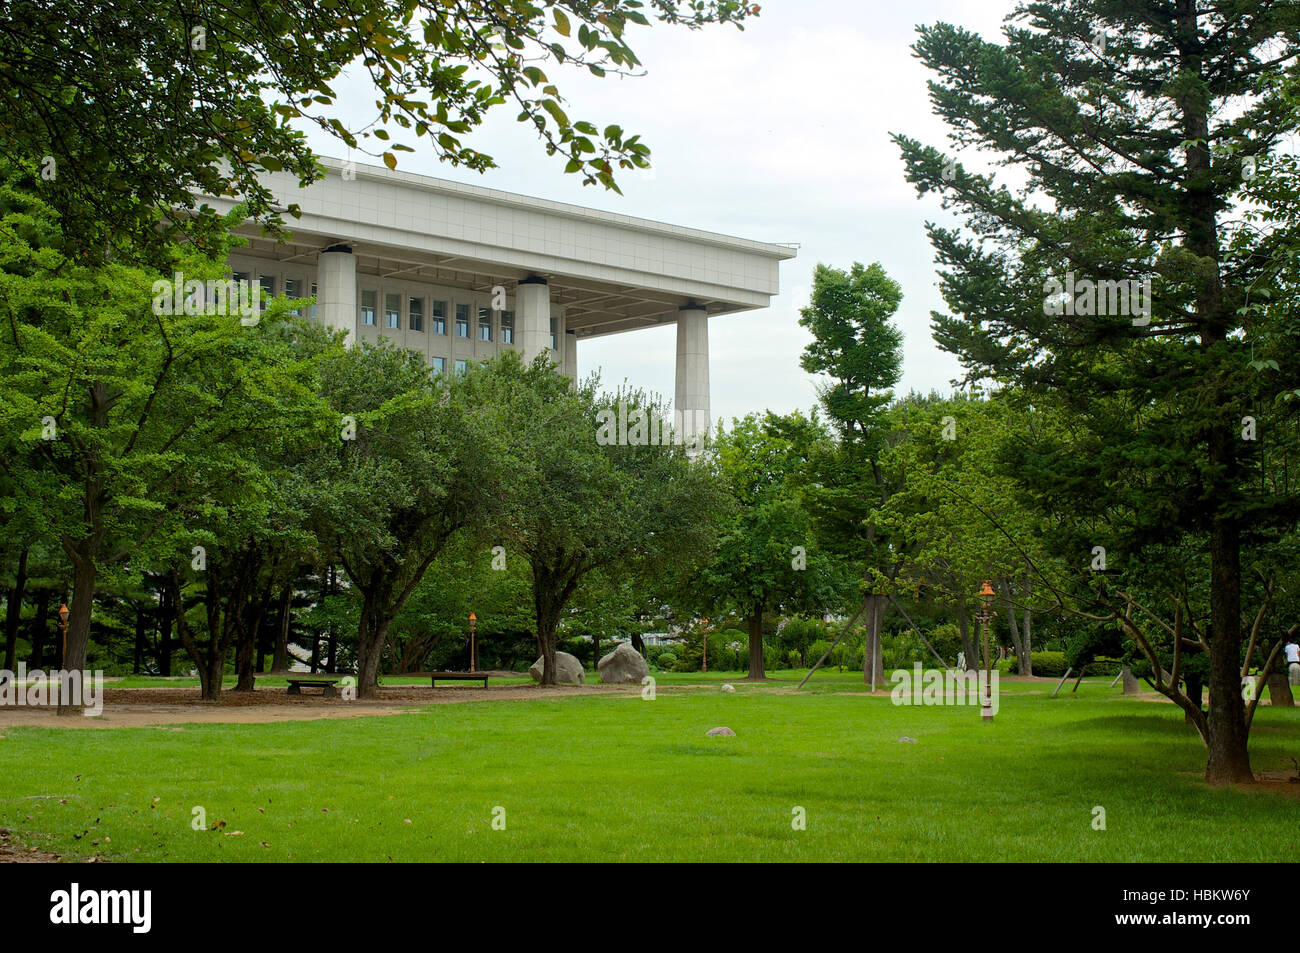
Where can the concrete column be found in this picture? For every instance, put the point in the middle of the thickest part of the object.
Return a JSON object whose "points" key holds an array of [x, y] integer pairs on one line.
{"points": [[692, 397], [336, 290], [533, 317], [571, 354]]}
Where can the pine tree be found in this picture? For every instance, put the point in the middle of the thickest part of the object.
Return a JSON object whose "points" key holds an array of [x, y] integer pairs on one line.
{"points": [[1135, 125]]}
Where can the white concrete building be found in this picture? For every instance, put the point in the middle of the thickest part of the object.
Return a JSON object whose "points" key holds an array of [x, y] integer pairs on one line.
{"points": [[423, 261]]}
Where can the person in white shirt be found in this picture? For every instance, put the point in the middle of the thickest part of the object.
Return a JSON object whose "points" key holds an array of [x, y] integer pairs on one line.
{"points": [[1293, 661]]}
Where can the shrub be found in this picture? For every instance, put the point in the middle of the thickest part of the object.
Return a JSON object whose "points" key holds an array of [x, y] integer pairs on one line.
{"points": [[1046, 665], [1105, 666], [900, 651], [946, 640], [771, 658], [841, 656]]}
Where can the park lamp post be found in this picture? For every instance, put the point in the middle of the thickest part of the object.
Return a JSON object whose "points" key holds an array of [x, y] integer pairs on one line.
{"points": [[63, 634], [473, 643], [984, 616]]}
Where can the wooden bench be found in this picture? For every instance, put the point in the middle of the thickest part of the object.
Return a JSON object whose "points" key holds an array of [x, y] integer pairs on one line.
{"points": [[296, 685], [458, 677]]}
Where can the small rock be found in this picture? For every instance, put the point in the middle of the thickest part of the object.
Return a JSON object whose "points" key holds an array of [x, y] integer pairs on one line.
{"points": [[722, 731], [906, 740], [728, 688]]}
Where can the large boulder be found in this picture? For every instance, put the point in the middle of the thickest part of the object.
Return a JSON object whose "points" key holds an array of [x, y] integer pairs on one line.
{"points": [[623, 665], [568, 670]]}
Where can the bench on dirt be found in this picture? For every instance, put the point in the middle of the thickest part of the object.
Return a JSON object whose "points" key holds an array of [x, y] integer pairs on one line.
{"points": [[458, 677], [296, 685]]}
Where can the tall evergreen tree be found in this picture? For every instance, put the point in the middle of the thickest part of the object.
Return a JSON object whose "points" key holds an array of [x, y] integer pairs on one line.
{"points": [[1135, 125]]}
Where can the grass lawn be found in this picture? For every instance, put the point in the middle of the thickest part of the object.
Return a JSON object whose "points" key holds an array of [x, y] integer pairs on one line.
{"points": [[614, 777]]}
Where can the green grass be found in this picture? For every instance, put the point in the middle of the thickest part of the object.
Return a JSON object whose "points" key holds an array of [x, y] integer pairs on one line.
{"points": [[613, 777]]}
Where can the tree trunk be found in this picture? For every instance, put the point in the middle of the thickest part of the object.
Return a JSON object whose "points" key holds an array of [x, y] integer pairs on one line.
{"points": [[1229, 761], [372, 637], [14, 612], [754, 623], [546, 646], [968, 648], [1131, 685], [40, 628], [638, 643], [331, 636], [546, 608], [370, 653], [209, 661], [166, 619], [211, 675], [551, 589], [868, 646], [1196, 693], [248, 615], [595, 650], [882, 609], [245, 651], [280, 657], [83, 553], [76, 637], [1027, 630], [1279, 690], [1023, 661], [873, 667], [141, 639], [60, 636]]}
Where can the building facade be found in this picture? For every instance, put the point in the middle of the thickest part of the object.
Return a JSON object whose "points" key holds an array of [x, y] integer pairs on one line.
{"points": [[458, 272]]}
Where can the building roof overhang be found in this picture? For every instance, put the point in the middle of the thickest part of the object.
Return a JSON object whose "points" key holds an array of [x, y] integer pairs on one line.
{"points": [[610, 272]]}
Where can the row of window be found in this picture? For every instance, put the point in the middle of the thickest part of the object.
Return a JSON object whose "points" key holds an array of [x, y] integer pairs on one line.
{"points": [[438, 365], [437, 316], [294, 288]]}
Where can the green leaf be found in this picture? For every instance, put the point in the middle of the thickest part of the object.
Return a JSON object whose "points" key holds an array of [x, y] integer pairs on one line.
{"points": [[552, 107]]}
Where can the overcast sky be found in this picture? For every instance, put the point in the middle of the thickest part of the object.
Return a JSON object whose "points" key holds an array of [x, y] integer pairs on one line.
{"points": [[779, 133]]}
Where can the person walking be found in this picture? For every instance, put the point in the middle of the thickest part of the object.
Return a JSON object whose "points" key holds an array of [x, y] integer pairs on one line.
{"points": [[1293, 661]]}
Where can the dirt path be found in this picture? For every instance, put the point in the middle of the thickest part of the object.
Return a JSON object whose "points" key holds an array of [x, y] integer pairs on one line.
{"points": [[14, 853], [133, 707]]}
